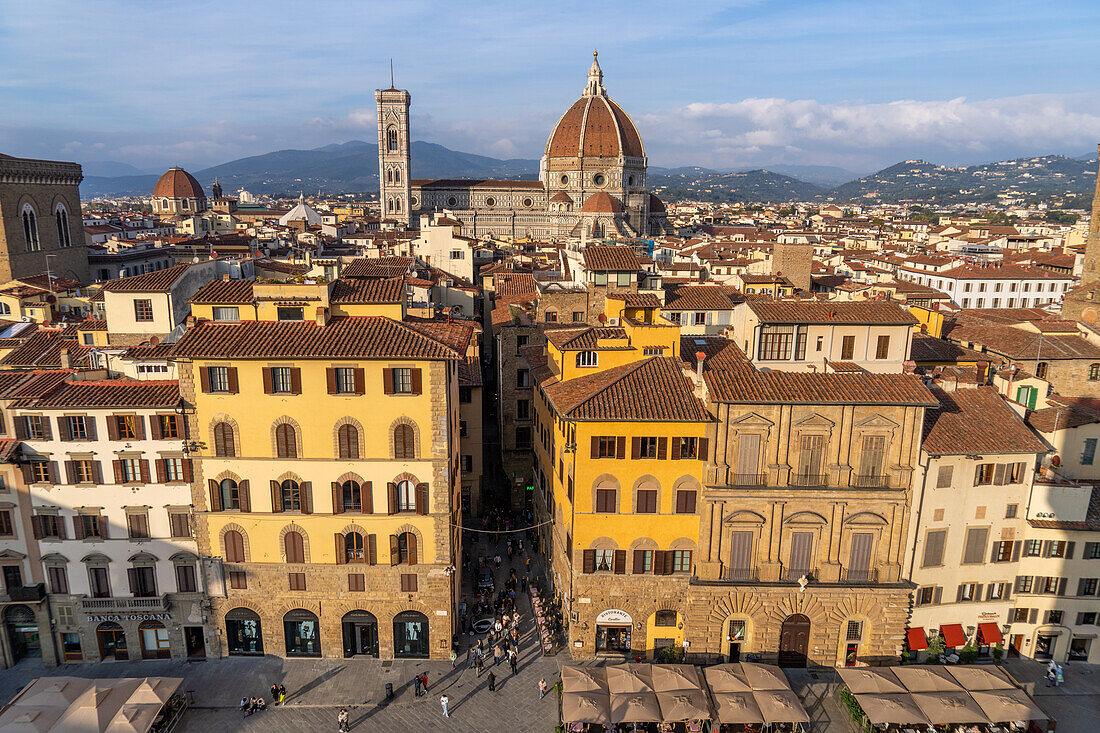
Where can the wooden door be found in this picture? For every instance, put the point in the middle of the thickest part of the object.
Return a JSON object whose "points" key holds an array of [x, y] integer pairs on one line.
{"points": [[794, 641]]}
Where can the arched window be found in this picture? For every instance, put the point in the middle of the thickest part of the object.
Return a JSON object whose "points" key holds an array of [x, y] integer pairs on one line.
{"points": [[353, 547], [61, 217], [30, 229], [587, 359], [295, 547], [1041, 370], [406, 496], [397, 176], [5, 309], [351, 494], [403, 549], [292, 495], [286, 443], [348, 439], [1094, 372], [392, 136], [164, 204], [403, 443], [234, 546], [230, 493], [224, 445]]}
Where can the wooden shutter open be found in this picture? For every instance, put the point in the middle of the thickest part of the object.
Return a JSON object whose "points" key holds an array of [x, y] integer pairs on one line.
{"points": [[639, 562], [589, 561], [372, 549], [295, 380], [112, 427], [215, 495], [367, 492], [391, 498], [635, 448], [139, 427], [620, 562], [417, 381], [620, 447], [63, 432], [676, 448], [306, 491], [341, 549], [704, 445], [154, 427], [245, 496], [360, 380], [269, 380], [330, 380], [421, 498], [276, 496], [410, 539], [337, 499], [662, 448], [162, 472], [204, 379], [387, 381], [233, 386], [120, 477], [595, 447], [395, 555], [143, 465]]}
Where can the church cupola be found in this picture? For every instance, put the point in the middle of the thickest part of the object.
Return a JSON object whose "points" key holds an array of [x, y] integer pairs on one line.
{"points": [[595, 78]]}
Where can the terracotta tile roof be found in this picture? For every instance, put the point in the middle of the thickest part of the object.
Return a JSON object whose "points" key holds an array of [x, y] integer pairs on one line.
{"points": [[1056, 326], [287, 268], [1050, 419], [602, 202], [929, 348], [149, 351], [161, 280], [1016, 343], [636, 300], [653, 389], [385, 267], [751, 279], [224, 291], [43, 349], [810, 311], [469, 372], [1003, 271], [368, 290], [1005, 316], [611, 257], [73, 329], [17, 384], [367, 337], [586, 338], [9, 449], [52, 282], [515, 284], [702, 297], [106, 393], [976, 421]]}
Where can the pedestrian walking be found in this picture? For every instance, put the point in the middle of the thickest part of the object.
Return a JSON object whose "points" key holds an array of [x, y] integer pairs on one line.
{"points": [[282, 694], [515, 635], [444, 701], [274, 693], [1058, 678], [424, 682], [543, 688], [492, 681], [416, 685], [498, 652], [480, 664], [454, 658], [515, 618], [342, 720], [513, 661]]}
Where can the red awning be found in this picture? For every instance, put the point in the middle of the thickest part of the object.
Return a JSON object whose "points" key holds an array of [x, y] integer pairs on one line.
{"points": [[991, 634], [917, 639], [953, 635]]}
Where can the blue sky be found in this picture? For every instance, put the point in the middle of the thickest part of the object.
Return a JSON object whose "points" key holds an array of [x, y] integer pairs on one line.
{"points": [[857, 84]]}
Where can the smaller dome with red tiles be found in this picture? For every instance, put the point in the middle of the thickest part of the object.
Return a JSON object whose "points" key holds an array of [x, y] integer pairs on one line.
{"points": [[602, 203], [656, 206], [178, 184]]}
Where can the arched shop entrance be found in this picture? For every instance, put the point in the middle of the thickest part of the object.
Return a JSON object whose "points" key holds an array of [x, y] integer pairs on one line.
{"points": [[23, 632], [360, 634], [243, 632], [410, 635], [112, 641], [303, 635]]}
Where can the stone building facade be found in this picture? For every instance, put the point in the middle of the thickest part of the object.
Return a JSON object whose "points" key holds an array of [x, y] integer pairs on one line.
{"points": [[40, 215]]}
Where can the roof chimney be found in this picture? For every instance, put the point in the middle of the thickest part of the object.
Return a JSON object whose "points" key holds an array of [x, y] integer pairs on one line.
{"points": [[66, 360], [700, 356]]}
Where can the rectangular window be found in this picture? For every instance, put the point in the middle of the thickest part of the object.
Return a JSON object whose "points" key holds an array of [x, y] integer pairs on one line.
{"points": [[131, 470], [282, 380], [685, 502], [1002, 551], [169, 427], [125, 426], [811, 455], [78, 427], [943, 477], [345, 380], [219, 378], [699, 319], [997, 591], [179, 524], [6, 527], [623, 279], [286, 313], [1019, 615], [38, 427], [681, 561], [925, 595], [1057, 548], [689, 448], [1087, 618], [1086, 587], [1092, 551], [847, 348], [40, 472], [578, 316], [523, 379], [983, 474], [51, 526], [606, 502], [1023, 583], [138, 526], [933, 548], [855, 630], [776, 342], [1089, 454], [238, 580], [1047, 585], [523, 437], [605, 446], [974, 552], [465, 395], [227, 313], [99, 582], [467, 464], [605, 560], [521, 341], [297, 581], [402, 380], [647, 501], [550, 316], [58, 578], [523, 409], [91, 526], [647, 447], [173, 470], [1033, 548], [408, 582], [185, 579], [1010, 511], [143, 310], [966, 592], [882, 350], [357, 582], [653, 351]]}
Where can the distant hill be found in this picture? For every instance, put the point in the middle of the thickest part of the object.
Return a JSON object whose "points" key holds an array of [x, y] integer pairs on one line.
{"points": [[756, 185], [110, 169], [822, 175]]}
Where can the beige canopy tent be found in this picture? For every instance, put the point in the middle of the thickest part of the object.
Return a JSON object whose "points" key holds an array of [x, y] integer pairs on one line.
{"points": [[635, 707], [871, 680], [765, 676], [926, 679], [737, 707], [726, 678], [780, 706], [669, 677], [80, 705], [682, 705], [586, 707], [1007, 706], [942, 708], [973, 677], [897, 708], [625, 678], [584, 679]]}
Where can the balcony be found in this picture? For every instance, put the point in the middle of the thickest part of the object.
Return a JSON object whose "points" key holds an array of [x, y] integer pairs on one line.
{"points": [[808, 480], [127, 604], [858, 575], [741, 575], [748, 479], [870, 481], [791, 575], [28, 593]]}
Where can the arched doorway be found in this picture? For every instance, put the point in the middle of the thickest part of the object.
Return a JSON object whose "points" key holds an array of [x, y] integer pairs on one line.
{"points": [[794, 641], [154, 640], [23, 632], [112, 641], [243, 632], [410, 635], [303, 637], [360, 634]]}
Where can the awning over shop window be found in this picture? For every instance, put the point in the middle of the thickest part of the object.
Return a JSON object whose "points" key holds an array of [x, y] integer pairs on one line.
{"points": [[917, 639], [991, 634], [953, 635]]}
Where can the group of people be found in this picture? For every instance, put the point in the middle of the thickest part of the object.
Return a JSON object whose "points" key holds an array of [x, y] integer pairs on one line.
{"points": [[420, 684], [251, 705], [1054, 674]]}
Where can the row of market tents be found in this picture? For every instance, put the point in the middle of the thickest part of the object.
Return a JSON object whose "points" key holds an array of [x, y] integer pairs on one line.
{"points": [[80, 705], [967, 695], [674, 693]]}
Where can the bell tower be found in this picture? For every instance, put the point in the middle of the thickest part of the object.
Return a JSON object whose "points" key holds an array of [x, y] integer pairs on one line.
{"points": [[1083, 302], [394, 160]]}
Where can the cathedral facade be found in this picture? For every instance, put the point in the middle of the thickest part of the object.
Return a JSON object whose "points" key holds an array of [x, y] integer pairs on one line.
{"points": [[592, 177]]}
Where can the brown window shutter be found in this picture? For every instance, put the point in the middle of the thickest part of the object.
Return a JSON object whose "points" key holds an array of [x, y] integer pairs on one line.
{"points": [[413, 556], [89, 426], [391, 498], [620, 447], [703, 445], [139, 427], [1069, 550], [181, 427], [28, 473], [395, 557], [595, 447], [268, 382], [204, 379], [368, 498], [154, 427], [690, 502], [620, 562], [307, 497], [276, 497], [639, 562], [679, 502], [233, 387], [341, 550], [144, 471], [295, 380], [662, 448], [246, 497], [162, 473], [417, 382], [132, 577], [330, 380], [1062, 586], [215, 495], [97, 472], [63, 429], [21, 431], [421, 498], [337, 499], [635, 448], [36, 526], [70, 472], [372, 549], [119, 476], [188, 470], [112, 427], [589, 562], [78, 527], [360, 381], [387, 381], [1033, 615], [676, 448]]}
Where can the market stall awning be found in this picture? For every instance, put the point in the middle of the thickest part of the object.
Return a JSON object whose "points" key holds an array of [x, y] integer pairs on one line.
{"points": [[586, 707], [683, 705], [627, 678], [991, 633], [583, 679], [897, 709], [737, 707], [917, 639], [953, 635], [871, 680], [974, 677], [727, 678], [926, 679], [635, 707], [1008, 706], [780, 706], [943, 708], [765, 676], [670, 677]]}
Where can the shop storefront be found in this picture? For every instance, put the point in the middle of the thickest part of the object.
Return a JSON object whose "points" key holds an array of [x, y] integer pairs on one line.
{"points": [[360, 634], [112, 641], [613, 628], [410, 635], [243, 632], [22, 627], [154, 640], [303, 638]]}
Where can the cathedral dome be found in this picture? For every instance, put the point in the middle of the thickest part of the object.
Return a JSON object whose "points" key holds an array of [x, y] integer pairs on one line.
{"points": [[178, 184], [595, 126], [656, 205], [601, 202]]}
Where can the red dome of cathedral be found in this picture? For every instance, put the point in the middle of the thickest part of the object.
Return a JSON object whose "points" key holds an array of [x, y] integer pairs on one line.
{"points": [[595, 126], [178, 184], [601, 202]]}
